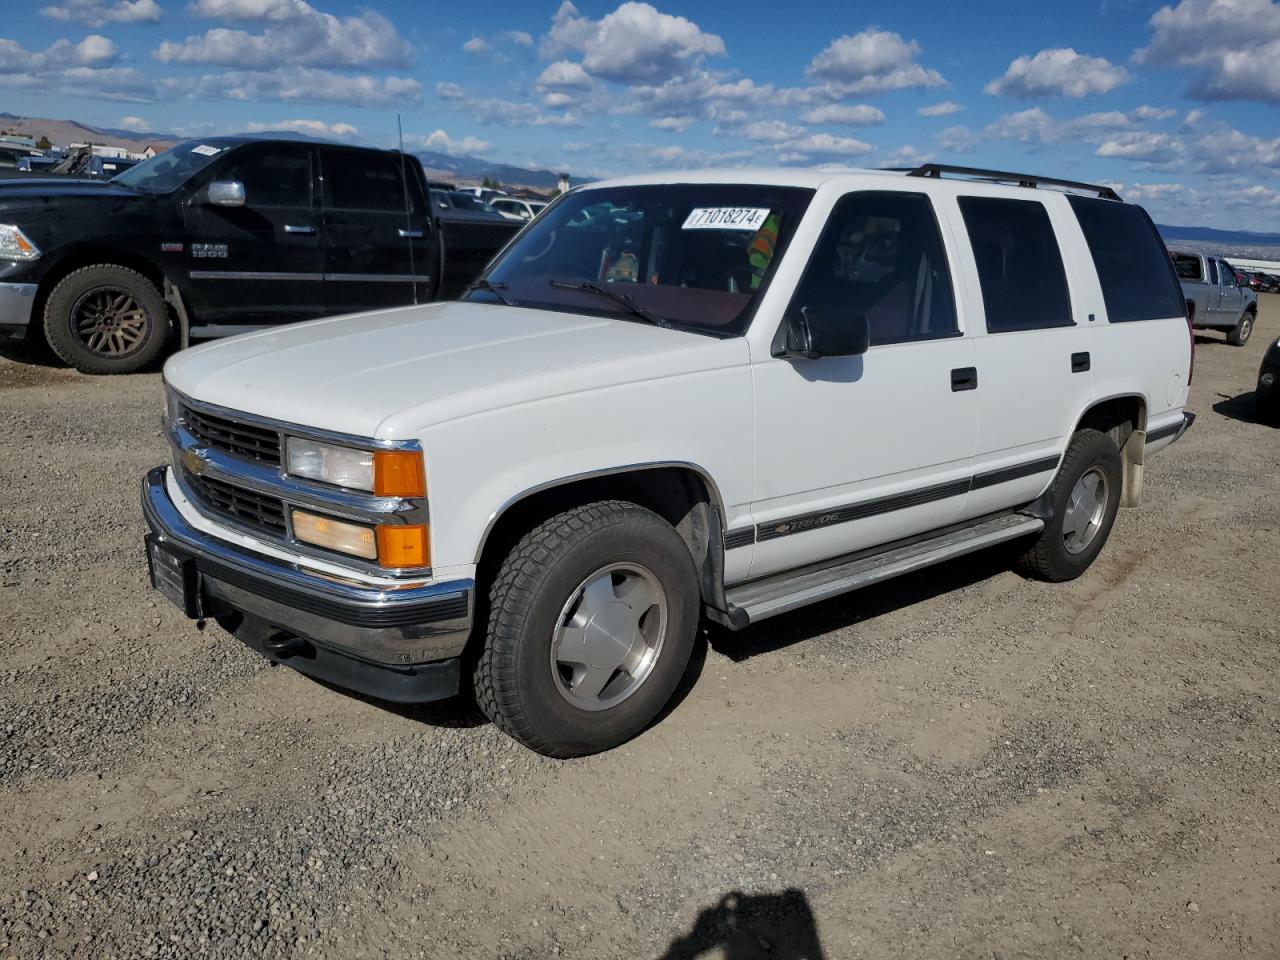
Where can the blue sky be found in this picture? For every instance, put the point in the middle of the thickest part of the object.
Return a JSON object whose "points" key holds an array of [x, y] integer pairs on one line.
{"points": [[1176, 103]]}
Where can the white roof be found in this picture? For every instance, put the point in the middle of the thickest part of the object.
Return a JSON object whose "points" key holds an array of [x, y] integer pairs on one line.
{"points": [[770, 176]]}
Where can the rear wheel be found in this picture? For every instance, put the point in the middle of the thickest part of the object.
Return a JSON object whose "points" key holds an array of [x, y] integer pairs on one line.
{"points": [[592, 619], [1244, 329], [1086, 498], [106, 319]]}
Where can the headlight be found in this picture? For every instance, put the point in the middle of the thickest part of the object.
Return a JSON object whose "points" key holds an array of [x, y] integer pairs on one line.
{"points": [[15, 245], [341, 466], [388, 473]]}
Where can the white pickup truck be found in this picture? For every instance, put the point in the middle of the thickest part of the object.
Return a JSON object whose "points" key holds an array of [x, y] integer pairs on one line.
{"points": [[724, 394]]}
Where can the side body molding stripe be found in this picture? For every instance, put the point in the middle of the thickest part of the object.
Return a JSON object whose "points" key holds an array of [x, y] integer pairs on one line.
{"points": [[745, 536]]}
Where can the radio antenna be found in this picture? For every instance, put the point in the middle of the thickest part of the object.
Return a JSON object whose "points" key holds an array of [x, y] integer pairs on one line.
{"points": [[408, 212]]}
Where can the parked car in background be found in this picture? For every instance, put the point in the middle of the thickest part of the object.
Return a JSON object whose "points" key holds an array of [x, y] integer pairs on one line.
{"points": [[724, 393], [219, 236], [1267, 393], [1261, 282], [10, 157], [516, 209], [1216, 300], [37, 164]]}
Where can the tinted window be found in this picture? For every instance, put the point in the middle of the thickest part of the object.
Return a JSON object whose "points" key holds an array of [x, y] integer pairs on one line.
{"points": [[279, 177], [881, 255], [1187, 266], [1024, 285], [1130, 258], [362, 181]]}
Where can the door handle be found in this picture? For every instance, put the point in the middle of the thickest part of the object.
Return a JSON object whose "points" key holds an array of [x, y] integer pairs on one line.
{"points": [[964, 378], [1080, 362], [298, 228], [410, 234]]}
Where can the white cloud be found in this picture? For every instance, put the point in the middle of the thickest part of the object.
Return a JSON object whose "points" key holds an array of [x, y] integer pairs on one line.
{"points": [[123, 84], [944, 109], [1058, 72], [849, 114], [441, 142], [97, 13], [93, 51], [1146, 112], [872, 61], [296, 34], [476, 45], [565, 73], [1232, 47], [765, 131], [300, 85], [908, 156], [312, 128], [672, 124], [504, 113], [135, 124], [496, 47], [959, 139], [634, 44], [1146, 146], [1036, 126], [817, 147]]}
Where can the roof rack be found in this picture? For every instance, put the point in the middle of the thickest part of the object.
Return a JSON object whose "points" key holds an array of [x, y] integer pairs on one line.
{"points": [[936, 171]]}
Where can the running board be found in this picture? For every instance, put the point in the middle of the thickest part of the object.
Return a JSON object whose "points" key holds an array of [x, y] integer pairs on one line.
{"points": [[783, 592]]}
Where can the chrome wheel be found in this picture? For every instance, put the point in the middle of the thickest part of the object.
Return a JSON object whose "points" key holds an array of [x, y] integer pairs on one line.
{"points": [[109, 321], [609, 636], [1085, 511]]}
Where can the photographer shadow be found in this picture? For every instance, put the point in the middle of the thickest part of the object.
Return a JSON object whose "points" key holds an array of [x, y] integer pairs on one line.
{"points": [[741, 926]]}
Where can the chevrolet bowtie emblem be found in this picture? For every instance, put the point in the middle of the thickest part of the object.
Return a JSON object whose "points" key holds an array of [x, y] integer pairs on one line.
{"points": [[194, 460]]}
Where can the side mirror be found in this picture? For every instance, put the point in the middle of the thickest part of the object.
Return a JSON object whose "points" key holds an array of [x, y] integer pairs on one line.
{"points": [[814, 332], [225, 193]]}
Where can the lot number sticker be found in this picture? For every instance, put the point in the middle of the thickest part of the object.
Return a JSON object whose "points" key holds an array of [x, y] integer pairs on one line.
{"points": [[206, 151], [726, 218]]}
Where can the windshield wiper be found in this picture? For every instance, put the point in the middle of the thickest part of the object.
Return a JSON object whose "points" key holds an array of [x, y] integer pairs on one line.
{"points": [[587, 286], [496, 286]]}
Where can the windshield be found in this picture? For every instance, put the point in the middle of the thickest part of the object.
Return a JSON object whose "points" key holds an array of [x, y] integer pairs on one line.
{"points": [[696, 256], [168, 171]]}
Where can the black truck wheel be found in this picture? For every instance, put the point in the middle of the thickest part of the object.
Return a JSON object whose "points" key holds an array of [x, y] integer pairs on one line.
{"points": [[1243, 330], [1086, 497], [592, 620], [107, 319]]}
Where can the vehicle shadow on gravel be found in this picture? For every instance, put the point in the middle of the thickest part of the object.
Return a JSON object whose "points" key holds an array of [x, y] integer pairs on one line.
{"points": [[777, 926], [1242, 407], [862, 605]]}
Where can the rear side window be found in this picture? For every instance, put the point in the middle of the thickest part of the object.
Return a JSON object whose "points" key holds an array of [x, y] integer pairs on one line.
{"points": [[881, 255], [1024, 285], [362, 181], [1130, 258], [1188, 267], [1213, 271]]}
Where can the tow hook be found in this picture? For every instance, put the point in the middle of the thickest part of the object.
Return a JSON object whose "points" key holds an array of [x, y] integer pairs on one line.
{"points": [[282, 646]]}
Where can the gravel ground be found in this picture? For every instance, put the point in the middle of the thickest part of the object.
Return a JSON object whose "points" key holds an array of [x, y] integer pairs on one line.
{"points": [[959, 764]]}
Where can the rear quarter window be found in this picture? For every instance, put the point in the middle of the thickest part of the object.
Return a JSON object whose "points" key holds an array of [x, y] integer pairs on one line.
{"points": [[1187, 266], [1024, 284], [1138, 282]]}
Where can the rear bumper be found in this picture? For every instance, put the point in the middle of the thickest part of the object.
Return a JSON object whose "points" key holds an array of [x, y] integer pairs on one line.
{"points": [[17, 301], [398, 644], [1171, 430]]}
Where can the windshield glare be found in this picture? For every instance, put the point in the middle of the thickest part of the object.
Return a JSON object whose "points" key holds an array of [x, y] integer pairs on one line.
{"points": [[696, 255], [169, 170]]}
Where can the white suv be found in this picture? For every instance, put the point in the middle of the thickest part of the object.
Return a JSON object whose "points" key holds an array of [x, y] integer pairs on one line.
{"points": [[724, 394]]}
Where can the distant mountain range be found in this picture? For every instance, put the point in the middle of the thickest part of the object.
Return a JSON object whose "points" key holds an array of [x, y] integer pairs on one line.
{"points": [[63, 132], [1248, 245]]}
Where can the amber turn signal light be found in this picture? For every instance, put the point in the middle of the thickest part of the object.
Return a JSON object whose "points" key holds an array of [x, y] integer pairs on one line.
{"points": [[399, 473], [403, 545]]}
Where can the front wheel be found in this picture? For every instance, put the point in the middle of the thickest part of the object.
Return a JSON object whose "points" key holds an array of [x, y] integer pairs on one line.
{"points": [[1086, 498], [592, 620], [106, 319], [1244, 329]]}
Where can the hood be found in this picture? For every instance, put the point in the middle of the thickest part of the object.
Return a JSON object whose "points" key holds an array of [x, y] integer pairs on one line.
{"points": [[27, 189], [392, 373]]}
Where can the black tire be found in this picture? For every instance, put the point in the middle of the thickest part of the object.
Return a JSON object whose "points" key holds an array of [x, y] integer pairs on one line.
{"points": [[1052, 557], [515, 681], [146, 331], [1243, 330]]}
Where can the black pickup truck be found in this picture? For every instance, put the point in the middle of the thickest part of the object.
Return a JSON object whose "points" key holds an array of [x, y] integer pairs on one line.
{"points": [[217, 236]]}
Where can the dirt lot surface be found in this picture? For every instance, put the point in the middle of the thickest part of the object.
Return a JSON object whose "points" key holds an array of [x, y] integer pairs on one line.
{"points": [[960, 764]]}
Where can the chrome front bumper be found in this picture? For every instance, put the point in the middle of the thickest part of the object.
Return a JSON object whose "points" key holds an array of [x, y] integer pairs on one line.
{"points": [[16, 303], [393, 627]]}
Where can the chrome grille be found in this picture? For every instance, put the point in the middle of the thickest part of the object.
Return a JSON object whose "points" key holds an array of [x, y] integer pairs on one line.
{"points": [[232, 436], [246, 507]]}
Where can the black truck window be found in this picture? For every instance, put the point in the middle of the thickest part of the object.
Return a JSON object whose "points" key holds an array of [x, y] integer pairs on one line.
{"points": [[881, 255], [1024, 285], [362, 181], [1133, 267], [275, 177]]}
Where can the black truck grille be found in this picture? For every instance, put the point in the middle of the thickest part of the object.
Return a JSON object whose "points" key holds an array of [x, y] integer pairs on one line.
{"points": [[247, 507], [231, 436]]}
